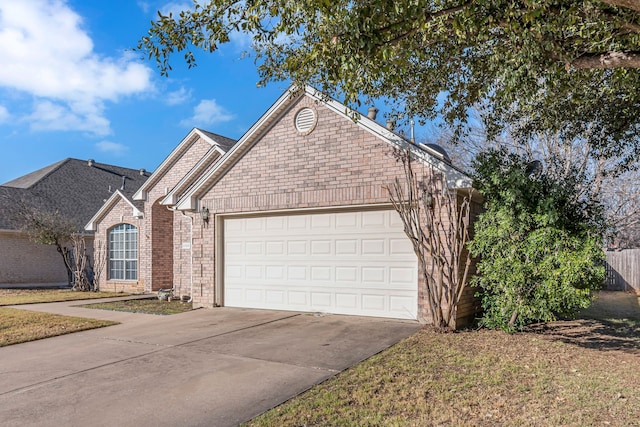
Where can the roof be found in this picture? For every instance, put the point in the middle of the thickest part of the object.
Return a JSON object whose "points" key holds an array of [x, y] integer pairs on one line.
{"points": [[75, 188], [137, 208], [455, 177], [222, 143], [29, 179]]}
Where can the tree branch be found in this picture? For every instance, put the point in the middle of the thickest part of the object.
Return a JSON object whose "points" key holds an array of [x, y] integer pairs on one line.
{"points": [[607, 60], [629, 4]]}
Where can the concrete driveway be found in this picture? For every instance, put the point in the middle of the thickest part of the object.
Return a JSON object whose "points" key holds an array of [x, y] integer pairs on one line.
{"points": [[208, 367]]}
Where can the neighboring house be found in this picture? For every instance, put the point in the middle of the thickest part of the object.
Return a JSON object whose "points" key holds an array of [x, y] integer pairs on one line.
{"points": [[293, 216], [74, 188]]}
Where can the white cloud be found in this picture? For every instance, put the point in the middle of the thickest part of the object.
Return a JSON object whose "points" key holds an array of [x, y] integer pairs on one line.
{"points": [[4, 114], [45, 53], [48, 116], [175, 8], [111, 147], [144, 6], [179, 96], [208, 112]]}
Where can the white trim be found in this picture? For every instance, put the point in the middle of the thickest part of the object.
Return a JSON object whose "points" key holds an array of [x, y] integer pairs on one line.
{"points": [[136, 213], [455, 178], [166, 164], [172, 197], [189, 201], [311, 210]]}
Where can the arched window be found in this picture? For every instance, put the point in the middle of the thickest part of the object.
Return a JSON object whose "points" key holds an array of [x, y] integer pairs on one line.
{"points": [[123, 252]]}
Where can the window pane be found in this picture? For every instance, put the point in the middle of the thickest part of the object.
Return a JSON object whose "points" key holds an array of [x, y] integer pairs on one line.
{"points": [[123, 252]]}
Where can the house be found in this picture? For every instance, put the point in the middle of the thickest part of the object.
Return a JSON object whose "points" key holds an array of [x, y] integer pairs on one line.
{"points": [[75, 189], [293, 216]]}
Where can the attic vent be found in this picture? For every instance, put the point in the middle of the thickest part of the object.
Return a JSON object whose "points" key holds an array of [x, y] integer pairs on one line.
{"points": [[305, 121]]}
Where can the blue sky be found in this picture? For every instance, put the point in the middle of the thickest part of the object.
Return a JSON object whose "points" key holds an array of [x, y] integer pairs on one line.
{"points": [[70, 86]]}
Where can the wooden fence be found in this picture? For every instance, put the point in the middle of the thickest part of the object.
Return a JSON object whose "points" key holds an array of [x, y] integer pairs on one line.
{"points": [[623, 270]]}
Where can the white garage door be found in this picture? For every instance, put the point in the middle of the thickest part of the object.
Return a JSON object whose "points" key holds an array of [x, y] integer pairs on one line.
{"points": [[357, 263]]}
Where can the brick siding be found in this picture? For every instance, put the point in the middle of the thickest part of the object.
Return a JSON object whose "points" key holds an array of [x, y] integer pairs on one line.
{"points": [[157, 256], [44, 265], [121, 213], [338, 164]]}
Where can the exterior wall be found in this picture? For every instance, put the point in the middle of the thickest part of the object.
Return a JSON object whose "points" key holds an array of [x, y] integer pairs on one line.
{"points": [[162, 244], [338, 164], [22, 261], [119, 214], [183, 230], [159, 223], [157, 251], [469, 305]]}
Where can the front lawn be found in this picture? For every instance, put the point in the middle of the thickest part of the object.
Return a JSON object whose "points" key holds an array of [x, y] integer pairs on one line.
{"points": [[17, 326], [148, 306], [574, 373], [34, 296]]}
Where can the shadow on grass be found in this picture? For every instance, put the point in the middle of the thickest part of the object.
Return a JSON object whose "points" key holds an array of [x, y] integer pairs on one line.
{"points": [[599, 334]]}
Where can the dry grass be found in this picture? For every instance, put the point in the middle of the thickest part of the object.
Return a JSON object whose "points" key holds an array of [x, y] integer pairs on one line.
{"points": [[17, 326], [148, 306], [575, 373], [34, 296]]}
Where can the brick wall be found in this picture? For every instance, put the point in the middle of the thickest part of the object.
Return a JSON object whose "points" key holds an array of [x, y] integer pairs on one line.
{"points": [[162, 244], [338, 164], [121, 213], [22, 261], [158, 247], [160, 262]]}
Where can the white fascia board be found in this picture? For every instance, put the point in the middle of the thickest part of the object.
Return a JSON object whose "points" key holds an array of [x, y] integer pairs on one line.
{"points": [[164, 167], [91, 225], [455, 177], [189, 200], [172, 197]]}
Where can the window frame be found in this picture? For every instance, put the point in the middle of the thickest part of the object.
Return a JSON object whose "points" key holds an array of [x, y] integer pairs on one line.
{"points": [[122, 253]]}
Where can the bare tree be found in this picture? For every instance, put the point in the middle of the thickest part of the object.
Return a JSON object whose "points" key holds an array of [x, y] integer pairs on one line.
{"points": [[612, 178], [48, 228], [436, 219], [99, 263]]}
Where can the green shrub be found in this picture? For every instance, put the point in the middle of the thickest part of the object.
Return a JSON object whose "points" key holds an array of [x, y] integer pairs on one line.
{"points": [[539, 243]]}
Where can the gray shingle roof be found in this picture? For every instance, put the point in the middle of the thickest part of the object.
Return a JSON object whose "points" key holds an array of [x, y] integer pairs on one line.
{"points": [[224, 142], [70, 186]]}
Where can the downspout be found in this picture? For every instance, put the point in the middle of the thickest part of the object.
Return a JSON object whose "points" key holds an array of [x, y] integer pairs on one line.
{"points": [[190, 255], [190, 251]]}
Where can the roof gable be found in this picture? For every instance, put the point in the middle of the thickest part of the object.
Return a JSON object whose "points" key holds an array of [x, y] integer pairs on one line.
{"points": [[429, 156], [198, 169], [108, 205], [221, 142]]}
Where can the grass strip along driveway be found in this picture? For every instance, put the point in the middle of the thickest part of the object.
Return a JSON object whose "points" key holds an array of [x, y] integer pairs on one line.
{"points": [[17, 326], [573, 373], [147, 306], [35, 296]]}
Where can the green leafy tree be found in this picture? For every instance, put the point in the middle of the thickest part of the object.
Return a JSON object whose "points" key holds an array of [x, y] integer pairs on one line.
{"points": [[554, 65], [539, 243]]}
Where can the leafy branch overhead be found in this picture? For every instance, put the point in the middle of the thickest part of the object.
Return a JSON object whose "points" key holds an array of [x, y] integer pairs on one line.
{"points": [[562, 65]]}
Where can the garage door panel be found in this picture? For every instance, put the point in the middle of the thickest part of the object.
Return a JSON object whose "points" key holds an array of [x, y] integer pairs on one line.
{"points": [[348, 262]]}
